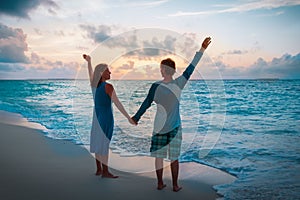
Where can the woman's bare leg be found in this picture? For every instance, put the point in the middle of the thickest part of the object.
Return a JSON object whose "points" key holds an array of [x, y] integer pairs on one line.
{"points": [[99, 167], [105, 171]]}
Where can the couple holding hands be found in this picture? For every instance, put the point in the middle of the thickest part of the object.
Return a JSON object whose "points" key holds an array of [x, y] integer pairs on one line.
{"points": [[167, 134]]}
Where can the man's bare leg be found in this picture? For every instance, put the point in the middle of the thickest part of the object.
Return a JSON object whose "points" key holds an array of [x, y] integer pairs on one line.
{"points": [[175, 171], [159, 173]]}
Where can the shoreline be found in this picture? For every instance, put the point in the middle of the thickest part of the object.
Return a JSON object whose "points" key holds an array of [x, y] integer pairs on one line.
{"points": [[18, 120], [36, 167]]}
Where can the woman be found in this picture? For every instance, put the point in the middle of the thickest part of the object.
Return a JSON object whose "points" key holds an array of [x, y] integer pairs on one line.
{"points": [[103, 121]]}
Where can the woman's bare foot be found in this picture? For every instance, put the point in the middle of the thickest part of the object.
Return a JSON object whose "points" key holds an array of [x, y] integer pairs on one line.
{"points": [[161, 186], [109, 175], [176, 188]]}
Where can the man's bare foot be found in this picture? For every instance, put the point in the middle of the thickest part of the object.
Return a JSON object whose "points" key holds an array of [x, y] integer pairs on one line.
{"points": [[98, 172], [161, 186], [109, 175], [176, 188]]}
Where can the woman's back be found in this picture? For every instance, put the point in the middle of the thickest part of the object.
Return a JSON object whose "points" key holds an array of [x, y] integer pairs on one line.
{"points": [[103, 110], [101, 98]]}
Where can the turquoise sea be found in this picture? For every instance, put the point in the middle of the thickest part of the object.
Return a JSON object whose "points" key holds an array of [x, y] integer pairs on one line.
{"points": [[248, 128]]}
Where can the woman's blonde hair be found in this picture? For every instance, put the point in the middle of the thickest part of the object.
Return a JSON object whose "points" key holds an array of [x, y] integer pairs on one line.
{"points": [[97, 78]]}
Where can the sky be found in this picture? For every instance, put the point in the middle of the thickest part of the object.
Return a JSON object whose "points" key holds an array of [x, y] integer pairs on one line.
{"points": [[45, 39]]}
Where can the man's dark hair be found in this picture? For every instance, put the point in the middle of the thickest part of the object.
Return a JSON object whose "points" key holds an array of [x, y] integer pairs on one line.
{"points": [[169, 66]]}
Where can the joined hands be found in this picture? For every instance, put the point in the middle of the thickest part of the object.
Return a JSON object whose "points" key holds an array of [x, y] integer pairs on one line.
{"points": [[132, 121]]}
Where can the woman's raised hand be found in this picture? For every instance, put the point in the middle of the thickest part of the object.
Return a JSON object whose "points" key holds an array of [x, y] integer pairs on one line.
{"points": [[86, 57]]}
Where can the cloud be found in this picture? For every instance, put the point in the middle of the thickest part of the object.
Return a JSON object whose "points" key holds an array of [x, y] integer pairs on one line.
{"points": [[189, 46], [129, 42], [35, 58], [255, 48], [154, 47], [43, 64], [22, 8], [11, 67], [60, 33], [285, 67], [147, 4], [15, 64], [63, 70], [140, 44], [125, 4], [127, 66], [98, 34], [157, 46], [242, 7], [152, 72], [236, 52], [104, 33], [39, 71], [37, 31], [140, 73], [132, 71], [12, 45]]}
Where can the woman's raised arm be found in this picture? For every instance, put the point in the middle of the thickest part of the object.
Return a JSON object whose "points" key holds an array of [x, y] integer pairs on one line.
{"points": [[91, 73]]}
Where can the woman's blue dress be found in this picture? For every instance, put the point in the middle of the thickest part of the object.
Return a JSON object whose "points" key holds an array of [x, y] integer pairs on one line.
{"points": [[103, 121]]}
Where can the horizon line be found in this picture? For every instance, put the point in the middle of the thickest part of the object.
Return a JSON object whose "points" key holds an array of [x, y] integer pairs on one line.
{"points": [[35, 79]]}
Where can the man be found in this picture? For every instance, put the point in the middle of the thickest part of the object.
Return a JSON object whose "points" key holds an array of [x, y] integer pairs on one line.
{"points": [[167, 135]]}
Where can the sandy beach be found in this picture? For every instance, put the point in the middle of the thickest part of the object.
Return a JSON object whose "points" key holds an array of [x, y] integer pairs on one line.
{"points": [[36, 167]]}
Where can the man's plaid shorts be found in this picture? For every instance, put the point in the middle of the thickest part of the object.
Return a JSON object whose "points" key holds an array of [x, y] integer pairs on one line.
{"points": [[164, 143]]}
